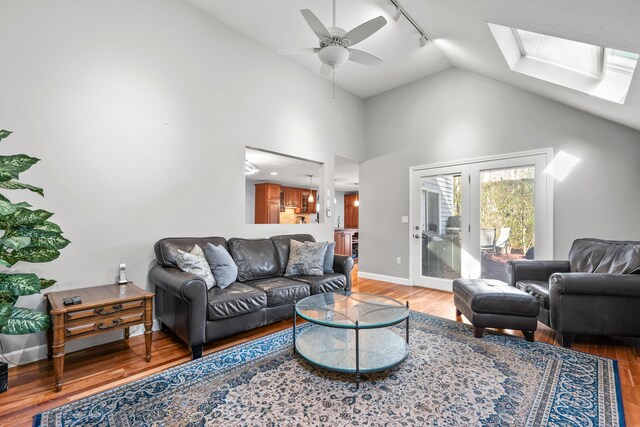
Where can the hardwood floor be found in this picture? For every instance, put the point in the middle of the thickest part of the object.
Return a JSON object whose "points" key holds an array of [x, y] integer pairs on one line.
{"points": [[31, 387]]}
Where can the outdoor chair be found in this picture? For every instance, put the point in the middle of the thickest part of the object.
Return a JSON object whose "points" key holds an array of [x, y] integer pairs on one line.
{"points": [[503, 240], [487, 239]]}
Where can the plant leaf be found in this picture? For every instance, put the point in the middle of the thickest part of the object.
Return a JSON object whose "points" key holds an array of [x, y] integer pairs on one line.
{"points": [[46, 283], [17, 185], [4, 133], [7, 208], [48, 226], [26, 321], [31, 254], [12, 166], [16, 242], [40, 238], [5, 313], [25, 216], [20, 284], [6, 297]]}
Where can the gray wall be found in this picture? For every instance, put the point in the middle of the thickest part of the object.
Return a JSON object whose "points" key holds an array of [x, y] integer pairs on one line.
{"points": [[457, 114], [140, 112]]}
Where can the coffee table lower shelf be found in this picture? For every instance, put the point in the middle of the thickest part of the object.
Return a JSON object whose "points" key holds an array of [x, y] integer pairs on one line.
{"points": [[350, 350]]}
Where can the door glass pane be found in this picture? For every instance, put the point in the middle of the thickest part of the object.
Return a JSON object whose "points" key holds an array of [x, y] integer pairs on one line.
{"points": [[440, 228], [507, 220]]}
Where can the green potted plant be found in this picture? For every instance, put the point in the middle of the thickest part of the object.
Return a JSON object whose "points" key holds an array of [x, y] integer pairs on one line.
{"points": [[27, 236]]}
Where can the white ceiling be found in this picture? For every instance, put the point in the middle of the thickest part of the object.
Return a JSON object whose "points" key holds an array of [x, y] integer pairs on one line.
{"points": [[291, 171], [461, 38]]}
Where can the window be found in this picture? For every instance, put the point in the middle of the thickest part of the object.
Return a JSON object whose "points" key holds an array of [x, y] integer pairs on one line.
{"points": [[595, 70]]}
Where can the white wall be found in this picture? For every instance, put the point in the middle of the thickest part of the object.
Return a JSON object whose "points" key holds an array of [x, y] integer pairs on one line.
{"points": [[338, 209], [140, 112], [457, 114]]}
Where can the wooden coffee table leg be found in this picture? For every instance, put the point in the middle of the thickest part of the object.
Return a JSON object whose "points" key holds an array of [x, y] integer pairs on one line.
{"points": [[126, 333], [148, 325]]}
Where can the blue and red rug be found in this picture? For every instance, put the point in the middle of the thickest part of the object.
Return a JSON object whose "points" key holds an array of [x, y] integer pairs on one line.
{"points": [[449, 379]]}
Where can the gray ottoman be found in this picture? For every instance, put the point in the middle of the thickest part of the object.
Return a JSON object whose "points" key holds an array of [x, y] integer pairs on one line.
{"points": [[495, 304]]}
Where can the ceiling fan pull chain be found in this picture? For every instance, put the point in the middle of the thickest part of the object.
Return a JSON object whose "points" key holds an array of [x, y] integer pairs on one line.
{"points": [[333, 72]]}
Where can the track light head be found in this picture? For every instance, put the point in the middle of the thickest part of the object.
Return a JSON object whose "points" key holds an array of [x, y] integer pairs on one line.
{"points": [[398, 14]]}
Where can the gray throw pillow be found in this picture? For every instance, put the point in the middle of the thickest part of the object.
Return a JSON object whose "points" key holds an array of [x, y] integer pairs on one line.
{"points": [[194, 262], [306, 259], [328, 257], [224, 270]]}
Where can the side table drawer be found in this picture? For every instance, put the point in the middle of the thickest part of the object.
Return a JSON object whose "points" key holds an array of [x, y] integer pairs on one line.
{"points": [[102, 324], [103, 310]]}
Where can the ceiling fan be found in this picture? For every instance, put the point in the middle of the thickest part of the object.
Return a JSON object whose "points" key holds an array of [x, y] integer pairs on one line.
{"points": [[335, 43]]}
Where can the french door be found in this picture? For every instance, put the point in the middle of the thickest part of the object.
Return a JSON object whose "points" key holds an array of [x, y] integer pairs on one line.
{"points": [[468, 219]]}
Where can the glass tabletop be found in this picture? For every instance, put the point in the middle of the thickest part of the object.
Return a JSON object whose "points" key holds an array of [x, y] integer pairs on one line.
{"points": [[342, 310]]}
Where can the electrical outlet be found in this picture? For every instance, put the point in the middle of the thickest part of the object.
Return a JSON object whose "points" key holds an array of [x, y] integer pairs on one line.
{"points": [[398, 260]]}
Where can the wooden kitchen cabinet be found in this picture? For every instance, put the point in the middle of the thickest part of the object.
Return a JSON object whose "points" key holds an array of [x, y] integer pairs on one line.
{"points": [[292, 197], [350, 211], [267, 204], [305, 206], [343, 239]]}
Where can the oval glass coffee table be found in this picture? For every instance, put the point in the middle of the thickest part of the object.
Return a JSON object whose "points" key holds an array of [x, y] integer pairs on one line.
{"points": [[350, 332]]}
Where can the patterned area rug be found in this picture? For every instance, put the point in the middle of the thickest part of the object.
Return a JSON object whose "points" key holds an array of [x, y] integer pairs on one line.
{"points": [[449, 379]]}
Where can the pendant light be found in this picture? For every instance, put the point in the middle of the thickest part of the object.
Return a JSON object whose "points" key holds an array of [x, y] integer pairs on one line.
{"points": [[311, 199], [357, 202]]}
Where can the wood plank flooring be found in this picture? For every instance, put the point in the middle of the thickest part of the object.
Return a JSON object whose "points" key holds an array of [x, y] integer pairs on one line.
{"points": [[31, 387]]}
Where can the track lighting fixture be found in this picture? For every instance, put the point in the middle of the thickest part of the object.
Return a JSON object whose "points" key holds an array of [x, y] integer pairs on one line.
{"points": [[400, 12]]}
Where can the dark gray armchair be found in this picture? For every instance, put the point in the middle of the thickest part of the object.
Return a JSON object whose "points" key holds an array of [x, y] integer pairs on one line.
{"points": [[595, 292]]}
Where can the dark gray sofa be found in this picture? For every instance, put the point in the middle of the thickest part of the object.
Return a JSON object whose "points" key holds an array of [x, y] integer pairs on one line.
{"points": [[261, 295], [595, 292]]}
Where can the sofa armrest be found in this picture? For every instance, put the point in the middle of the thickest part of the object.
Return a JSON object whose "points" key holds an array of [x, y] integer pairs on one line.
{"points": [[181, 302], [618, 285], [179, 283], [344, 264], [534, 269]]}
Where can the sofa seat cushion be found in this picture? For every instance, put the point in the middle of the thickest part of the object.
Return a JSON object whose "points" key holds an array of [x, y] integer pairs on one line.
{"points": [[330, 282], [281, 290], [538, 288], [234, 300], [495, 297]]}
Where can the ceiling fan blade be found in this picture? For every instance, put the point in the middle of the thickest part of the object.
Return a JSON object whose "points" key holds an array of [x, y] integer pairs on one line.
{"points": [[363, 57], [325, 70], [363, 31], [299, 51], [315, 24]]}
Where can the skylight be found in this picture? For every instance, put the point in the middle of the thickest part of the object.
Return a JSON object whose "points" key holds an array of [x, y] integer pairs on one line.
{"points": [[582, 57], [596, 70]]}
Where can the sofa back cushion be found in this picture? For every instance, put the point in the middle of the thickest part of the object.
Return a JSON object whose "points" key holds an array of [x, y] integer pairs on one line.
{"points": [[255, 258], [282, 245], [605, 256], [167, 249]]}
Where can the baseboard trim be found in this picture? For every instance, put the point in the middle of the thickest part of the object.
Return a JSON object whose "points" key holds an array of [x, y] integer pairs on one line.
{"points": [[39, 352], [383, 278]]}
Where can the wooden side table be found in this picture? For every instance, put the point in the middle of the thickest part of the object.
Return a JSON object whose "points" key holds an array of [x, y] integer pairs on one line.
{"points": [[103, 309]]}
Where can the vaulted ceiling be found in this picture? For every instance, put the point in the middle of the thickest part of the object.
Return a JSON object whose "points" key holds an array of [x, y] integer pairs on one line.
{"points": [[460, 38]]}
